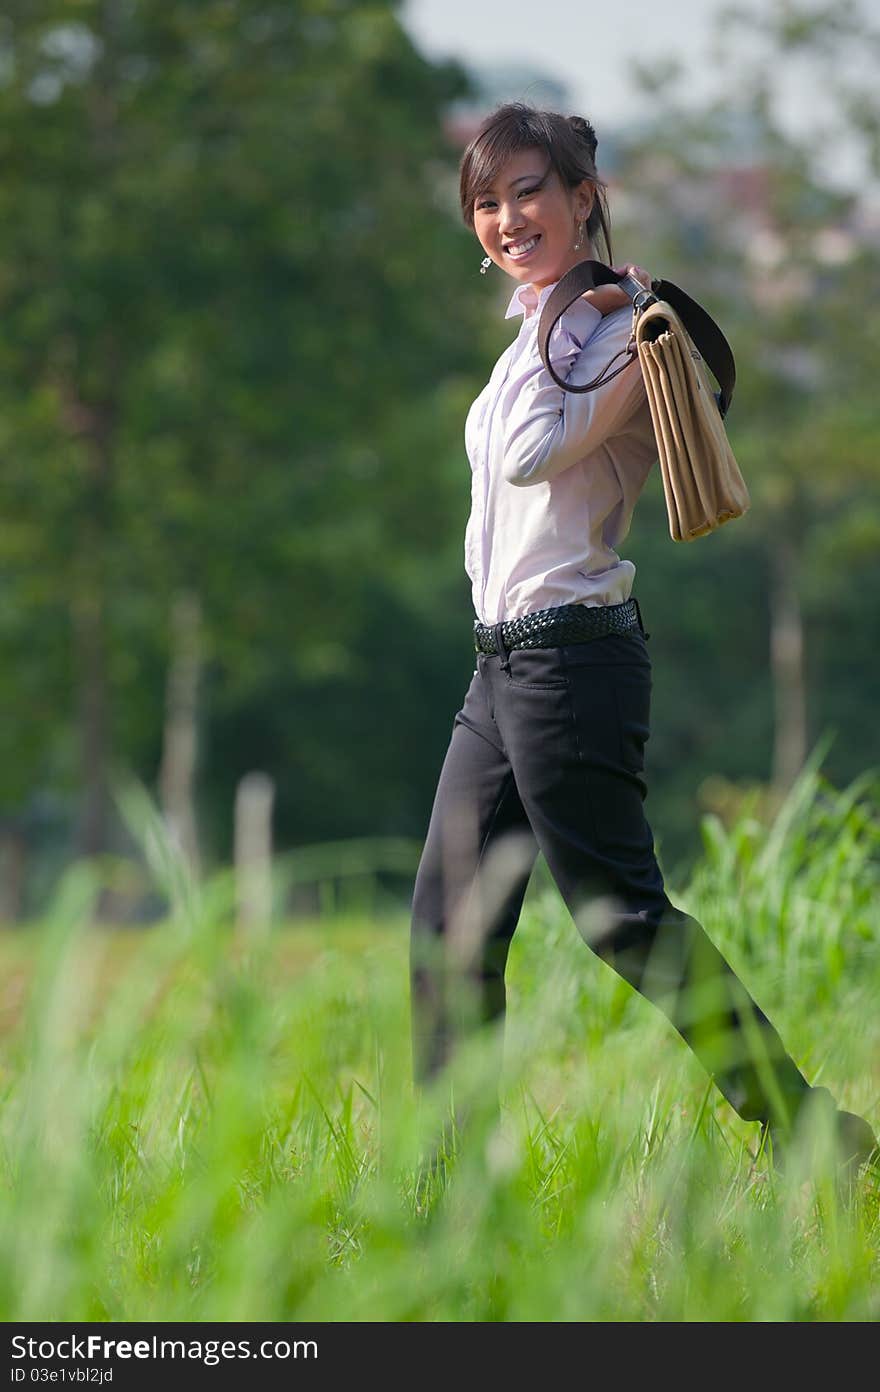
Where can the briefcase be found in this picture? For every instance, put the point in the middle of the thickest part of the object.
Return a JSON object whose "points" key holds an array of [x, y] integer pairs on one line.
{"points": [[676, 341]]}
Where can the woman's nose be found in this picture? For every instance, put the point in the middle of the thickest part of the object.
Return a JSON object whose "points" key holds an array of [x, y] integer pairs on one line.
{"points": [[510, 219]]}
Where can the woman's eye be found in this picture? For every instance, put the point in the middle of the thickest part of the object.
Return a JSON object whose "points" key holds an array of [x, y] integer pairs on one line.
{"points": [[524, 193]]}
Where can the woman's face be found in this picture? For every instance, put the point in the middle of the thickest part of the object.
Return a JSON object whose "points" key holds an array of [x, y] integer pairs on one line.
{"points": [[529, 202]]}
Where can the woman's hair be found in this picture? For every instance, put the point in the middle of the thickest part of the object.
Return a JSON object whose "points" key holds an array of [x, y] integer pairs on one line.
{"points": [[570, 141]]}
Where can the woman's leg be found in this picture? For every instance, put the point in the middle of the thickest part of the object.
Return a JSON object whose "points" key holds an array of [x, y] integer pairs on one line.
{"points": [[472, 877], [574, 722]]}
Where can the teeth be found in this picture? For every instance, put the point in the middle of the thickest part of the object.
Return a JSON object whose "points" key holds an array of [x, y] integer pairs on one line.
{"points": [[519, 248]]}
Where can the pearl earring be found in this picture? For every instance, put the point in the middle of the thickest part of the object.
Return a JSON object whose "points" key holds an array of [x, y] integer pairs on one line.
{"points": [[485, 264]]}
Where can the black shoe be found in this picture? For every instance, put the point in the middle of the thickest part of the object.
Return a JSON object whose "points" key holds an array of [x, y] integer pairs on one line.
{"points": [[854, 1141]]}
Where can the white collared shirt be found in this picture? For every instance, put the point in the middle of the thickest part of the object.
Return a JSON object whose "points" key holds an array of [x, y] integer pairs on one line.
{"points": [[555, 476]]}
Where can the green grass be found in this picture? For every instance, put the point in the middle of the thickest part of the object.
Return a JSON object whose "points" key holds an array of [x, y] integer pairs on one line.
{"points": [[197, 1128]]}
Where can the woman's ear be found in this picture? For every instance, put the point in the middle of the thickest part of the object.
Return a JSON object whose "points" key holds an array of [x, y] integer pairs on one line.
{"points": [[587, 199]]}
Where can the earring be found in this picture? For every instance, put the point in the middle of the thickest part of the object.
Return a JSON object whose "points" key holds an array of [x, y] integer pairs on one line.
{"points": [[485, 264], [580, 235]]}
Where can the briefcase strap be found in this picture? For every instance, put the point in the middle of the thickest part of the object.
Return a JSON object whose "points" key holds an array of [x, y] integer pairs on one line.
{"points": [[706, 335]]}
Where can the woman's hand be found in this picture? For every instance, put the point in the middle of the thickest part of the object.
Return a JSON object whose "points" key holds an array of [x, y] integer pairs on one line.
{"points": [[606, 298]]}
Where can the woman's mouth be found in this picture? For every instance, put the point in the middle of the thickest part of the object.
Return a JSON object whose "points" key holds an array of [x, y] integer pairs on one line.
{"points": [[518, 251]]}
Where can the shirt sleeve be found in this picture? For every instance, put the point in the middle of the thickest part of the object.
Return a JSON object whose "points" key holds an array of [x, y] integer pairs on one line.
{"points": [[545, 429]]}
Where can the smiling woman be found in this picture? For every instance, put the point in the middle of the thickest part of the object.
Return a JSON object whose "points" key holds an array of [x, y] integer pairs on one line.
{"points": [[547, 751], [538, 195], [527, 224], [524, 220]]}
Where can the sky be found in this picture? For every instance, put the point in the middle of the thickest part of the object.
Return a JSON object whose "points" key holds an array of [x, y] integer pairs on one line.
{"points": [[589, 48]]}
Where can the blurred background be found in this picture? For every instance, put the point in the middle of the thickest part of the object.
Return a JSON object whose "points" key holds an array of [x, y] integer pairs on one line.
{"points": [[241, 323]]}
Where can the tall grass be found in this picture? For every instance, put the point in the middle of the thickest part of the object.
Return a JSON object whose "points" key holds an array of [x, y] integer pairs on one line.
{"points": [[199, 1128]]}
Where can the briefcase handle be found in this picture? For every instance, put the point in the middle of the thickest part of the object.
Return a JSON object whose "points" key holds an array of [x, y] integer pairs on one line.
{"points": [[706, 335]]}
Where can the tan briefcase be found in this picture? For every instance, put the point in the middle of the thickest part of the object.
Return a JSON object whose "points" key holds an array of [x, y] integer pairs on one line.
{"points": [[675, 340]]}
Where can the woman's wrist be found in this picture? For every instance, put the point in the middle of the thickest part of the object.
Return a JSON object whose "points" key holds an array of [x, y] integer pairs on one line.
{"points": [[606, 298]]}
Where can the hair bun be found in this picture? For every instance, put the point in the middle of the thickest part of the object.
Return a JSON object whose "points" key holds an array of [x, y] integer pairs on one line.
{"points": [[583, 128]]}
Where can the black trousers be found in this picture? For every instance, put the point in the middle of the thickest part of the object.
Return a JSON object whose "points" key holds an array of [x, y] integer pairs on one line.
{"points": [[547, 754]]}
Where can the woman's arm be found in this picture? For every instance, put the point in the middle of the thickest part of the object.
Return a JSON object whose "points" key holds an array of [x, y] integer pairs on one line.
{"points": [[545, 429]]}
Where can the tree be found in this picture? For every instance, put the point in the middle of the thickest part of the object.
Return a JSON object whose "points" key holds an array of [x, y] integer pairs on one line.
{"points": [[217, 220]]}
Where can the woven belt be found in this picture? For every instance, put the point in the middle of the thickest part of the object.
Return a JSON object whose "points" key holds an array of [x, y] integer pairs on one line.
{"points": [[551, 628]]}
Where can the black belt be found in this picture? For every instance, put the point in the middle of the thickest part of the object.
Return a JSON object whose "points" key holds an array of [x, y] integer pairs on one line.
{"points": [[551, 628]]}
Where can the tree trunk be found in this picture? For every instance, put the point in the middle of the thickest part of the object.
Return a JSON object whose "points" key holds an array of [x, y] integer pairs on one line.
{"points": [[96, 426], [92, 716], [787, 665], [177, 771]]}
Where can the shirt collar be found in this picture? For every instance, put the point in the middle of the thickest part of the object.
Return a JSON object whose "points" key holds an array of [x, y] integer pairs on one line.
{"points": [[524, 301]]}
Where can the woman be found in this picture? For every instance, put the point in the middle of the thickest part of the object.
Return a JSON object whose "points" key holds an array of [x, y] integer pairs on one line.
{"points": [[547, 752]]}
